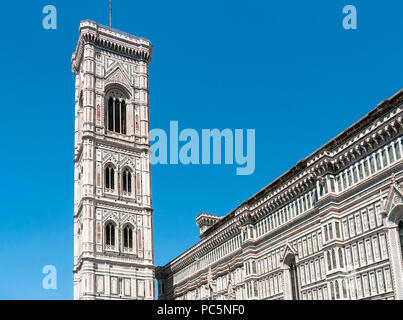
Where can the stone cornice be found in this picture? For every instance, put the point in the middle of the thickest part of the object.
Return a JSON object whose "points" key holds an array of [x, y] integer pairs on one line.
{"points": [[112, 40], [114, 144], [111, 204]]}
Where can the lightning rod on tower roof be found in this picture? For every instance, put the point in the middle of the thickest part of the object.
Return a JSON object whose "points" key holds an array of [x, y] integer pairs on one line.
{"points": [[110, 13]]}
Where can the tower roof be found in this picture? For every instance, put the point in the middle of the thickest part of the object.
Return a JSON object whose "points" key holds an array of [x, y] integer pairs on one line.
{"points": [[112, 40]]}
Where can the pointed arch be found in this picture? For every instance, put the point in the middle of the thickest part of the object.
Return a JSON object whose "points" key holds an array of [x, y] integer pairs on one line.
{"points": [[290, 278], [109, 176], [127, 180], [116, 112], [110, 234], [128, 237]]}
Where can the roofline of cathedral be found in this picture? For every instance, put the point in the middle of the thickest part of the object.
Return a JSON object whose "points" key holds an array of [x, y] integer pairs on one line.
{"points": [[118, 41], [383, 107], [336, 151]]}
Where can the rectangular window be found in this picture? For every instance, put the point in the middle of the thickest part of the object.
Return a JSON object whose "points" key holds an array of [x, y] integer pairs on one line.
{"points": [[360, 171], [352, 226], [309, 240], [372, 164], [339, 183], [332, 184], [378, 161], [345, 229], [366, 169], [355, 176], [330, 231], [329, 261], [378, 215], [397, 151], [337, 225], [304, 247], [350, 179], [344, 180], [391, 155], [384, 158], [365, 223], [326, 233], [358, 223]]}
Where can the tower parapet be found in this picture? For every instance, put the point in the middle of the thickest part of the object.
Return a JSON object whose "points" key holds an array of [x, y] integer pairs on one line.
{"points": [[205, 221]]}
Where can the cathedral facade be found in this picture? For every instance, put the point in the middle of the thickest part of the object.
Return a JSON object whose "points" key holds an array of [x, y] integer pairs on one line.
{"points": [[113, 220], [330, 228]]}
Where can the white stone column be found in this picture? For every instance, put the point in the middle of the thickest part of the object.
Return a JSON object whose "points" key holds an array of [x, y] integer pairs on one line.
{"points": [[396, 259]]}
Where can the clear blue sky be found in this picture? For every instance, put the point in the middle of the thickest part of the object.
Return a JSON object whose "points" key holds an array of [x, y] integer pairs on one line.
{"points": [[285, 68]]}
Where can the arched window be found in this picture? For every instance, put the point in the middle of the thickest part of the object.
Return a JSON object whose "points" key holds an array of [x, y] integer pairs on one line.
{"points": [[332, 290], [344, 289], [337, 289], [127, 181], [109, 178], [116, 114], [329, 261], [128, 237], [334, 258], [110, 234], [291, 277], [294, 279]]}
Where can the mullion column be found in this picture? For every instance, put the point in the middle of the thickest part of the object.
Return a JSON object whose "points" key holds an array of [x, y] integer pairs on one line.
{"points": [[114, 115]]}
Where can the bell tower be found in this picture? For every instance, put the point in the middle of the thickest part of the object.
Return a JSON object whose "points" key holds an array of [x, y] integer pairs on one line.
{"points": [[113, 220]]}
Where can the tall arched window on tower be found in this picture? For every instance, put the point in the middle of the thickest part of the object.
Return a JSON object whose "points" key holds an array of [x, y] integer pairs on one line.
{"points": [[109, 178], [116, 113], [110, 235], [127, 181], [128, 237]]}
